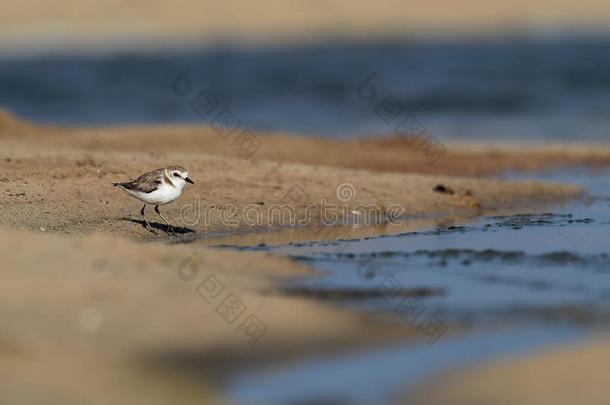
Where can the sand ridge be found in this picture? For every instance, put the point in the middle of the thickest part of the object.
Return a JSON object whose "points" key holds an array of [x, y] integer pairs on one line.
{"points": [[60, 179]]}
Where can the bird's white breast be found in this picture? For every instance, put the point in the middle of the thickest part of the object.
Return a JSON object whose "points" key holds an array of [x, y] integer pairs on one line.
{"points": [[165, 194]]}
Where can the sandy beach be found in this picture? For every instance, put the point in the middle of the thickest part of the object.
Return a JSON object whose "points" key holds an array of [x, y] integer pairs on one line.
{"points": [[85, 25], [556, 376], [60, 180], [81, 280], [393, 202]]}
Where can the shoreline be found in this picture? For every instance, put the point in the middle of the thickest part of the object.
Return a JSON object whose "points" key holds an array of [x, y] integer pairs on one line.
{"points": [[540, 378], [69, 172], [136, 309]]}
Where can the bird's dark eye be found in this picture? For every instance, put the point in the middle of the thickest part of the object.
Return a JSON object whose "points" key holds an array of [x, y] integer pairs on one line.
{"points": [[176, 175]]}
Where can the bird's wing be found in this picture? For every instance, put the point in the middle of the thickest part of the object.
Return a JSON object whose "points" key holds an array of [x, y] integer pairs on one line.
{"points": [[147, 183]]}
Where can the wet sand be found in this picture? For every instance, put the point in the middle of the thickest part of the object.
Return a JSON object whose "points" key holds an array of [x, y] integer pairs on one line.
{"points": [[569, 375], [80, 291]]}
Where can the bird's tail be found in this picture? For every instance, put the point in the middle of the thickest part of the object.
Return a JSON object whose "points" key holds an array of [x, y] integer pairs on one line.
{"points": [[119, 185]]}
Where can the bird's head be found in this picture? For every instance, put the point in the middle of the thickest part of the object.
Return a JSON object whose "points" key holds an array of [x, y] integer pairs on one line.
{"points": [[178, 175]]}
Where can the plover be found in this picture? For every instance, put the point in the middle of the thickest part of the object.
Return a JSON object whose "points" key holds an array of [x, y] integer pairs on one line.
{"points": [[159, 187]]}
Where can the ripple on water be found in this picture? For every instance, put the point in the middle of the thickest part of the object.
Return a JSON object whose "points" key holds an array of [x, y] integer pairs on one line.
{"points": [[543, 276]]}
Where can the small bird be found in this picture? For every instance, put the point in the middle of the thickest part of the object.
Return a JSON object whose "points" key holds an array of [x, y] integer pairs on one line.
{"points": [[159, 187]]}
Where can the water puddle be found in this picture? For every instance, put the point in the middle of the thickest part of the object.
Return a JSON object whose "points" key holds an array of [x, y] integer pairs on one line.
{"points": [[537, 277]]}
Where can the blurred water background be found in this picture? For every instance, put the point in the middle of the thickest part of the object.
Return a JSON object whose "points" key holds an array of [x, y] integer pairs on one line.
{"points": [[511, 88]]}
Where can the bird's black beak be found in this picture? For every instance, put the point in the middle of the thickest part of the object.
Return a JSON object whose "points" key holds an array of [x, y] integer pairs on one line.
{"points": [[189, 180]]}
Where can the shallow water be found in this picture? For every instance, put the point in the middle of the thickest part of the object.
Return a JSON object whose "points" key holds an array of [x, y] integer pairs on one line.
{"points": [[526, 88], [381, 375], [547, 272], [545, 266]]}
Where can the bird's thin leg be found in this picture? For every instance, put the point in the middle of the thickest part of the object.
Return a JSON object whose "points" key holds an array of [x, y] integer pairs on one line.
{"points": [[171, 229], [150, 228]]}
